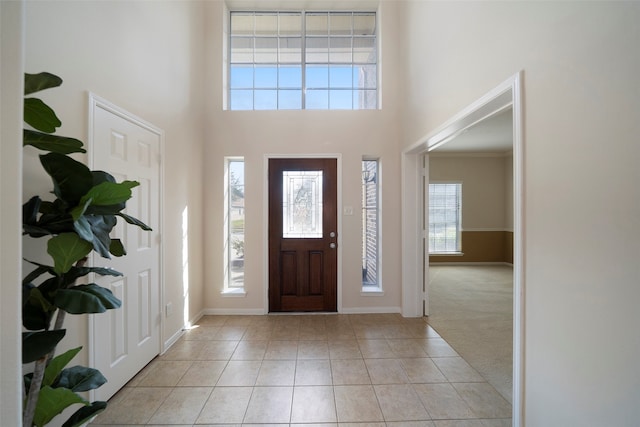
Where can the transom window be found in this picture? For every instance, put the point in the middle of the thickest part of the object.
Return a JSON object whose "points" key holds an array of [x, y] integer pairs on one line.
{"points": [[445, 219], [303, 60]]}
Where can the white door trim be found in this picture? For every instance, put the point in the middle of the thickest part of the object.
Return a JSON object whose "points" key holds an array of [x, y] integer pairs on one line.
{"points": [[96, 102], [265, 219], [508, 94]]}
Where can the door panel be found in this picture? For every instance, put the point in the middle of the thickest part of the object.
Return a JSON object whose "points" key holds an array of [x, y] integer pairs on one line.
{"points": [[303, 235], [126, 339]]}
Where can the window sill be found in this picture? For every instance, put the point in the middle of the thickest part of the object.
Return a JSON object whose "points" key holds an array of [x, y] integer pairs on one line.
{"points": [[375, 292], [234, 293], [446, 253]]}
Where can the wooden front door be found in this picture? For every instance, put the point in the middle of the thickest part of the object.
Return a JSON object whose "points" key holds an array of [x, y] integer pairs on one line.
{"points": [[303, 237]]}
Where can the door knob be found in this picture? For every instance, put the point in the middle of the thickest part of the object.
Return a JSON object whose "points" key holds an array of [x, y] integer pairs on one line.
{"points": [[332, 245], [332, 234]]}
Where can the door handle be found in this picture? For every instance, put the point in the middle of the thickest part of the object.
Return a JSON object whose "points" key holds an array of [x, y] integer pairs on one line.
{"points": [[332, 245], [332, 234]]}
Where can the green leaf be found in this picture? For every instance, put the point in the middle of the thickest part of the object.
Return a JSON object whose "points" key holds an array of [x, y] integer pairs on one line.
{"points": [[40, 116], [110, 193], [37, 311], [30, 210], [71, 179], [41, 81], [83, 228], [89, 298], [36, 345], [134, 221], [116, 248], [57, 364], [53, 143], [84, 414], [101, 226], [76, 272], [53, 401], [66, 249], [80, 378], [105, 194], [39, 271], [101, 176]]}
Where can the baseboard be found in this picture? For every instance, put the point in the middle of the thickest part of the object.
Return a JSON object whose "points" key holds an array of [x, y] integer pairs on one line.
{"points": [[370, 310], [232, 311], [196, 318], [471, 263], [172, 340]]}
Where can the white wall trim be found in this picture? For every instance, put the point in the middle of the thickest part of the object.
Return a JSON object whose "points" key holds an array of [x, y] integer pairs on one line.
{"points": [[468, 263], [265, 218], [232, 312], [507, 94], [12, 52], [487, 229], [371, 310], [172, 340]]}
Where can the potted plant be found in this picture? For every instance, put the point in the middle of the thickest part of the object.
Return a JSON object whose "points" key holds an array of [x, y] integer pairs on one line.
{"points": [[79, 220]]}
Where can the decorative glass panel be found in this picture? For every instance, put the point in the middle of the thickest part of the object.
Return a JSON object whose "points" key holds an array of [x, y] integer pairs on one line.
{"points": [[301, 204]]}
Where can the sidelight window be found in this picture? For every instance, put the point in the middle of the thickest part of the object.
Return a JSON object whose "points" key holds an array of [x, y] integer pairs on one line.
{"points": [[234, 224], [370, 225]]}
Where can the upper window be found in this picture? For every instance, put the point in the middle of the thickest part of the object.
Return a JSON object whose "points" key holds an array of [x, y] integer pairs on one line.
{"points": [[303, 60], [445, 219]]}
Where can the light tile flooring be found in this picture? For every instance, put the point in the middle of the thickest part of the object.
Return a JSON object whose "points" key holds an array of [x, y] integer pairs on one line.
{"points": [[321, 370]]}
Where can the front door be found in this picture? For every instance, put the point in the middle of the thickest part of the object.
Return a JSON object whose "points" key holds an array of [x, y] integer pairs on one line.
{"points": [[303, 236], [126, 339]]}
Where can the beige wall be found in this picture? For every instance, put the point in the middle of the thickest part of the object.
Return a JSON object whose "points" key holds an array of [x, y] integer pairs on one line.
{"points": [[581, 234], [256, 134], [487, 205], [483, 187], [145, 57]]}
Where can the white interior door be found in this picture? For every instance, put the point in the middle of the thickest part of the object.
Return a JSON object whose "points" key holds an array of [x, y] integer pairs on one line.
{"points": [[124, 340]]}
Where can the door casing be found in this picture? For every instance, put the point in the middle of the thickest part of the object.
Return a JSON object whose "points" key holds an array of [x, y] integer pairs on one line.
{"points": [[265, 216]]}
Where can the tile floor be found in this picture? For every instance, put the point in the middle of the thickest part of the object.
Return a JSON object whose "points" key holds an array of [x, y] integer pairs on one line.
{"points": [[321, 370]]}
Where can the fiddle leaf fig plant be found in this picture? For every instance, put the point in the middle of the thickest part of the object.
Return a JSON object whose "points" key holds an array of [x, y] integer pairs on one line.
{"points": [[79, 220]]}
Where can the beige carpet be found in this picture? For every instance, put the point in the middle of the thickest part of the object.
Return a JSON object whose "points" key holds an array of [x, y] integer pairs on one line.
{"points": [[472, 309]]}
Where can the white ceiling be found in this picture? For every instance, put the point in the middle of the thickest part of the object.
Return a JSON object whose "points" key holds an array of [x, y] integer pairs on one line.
{"points": [[491, 135]]}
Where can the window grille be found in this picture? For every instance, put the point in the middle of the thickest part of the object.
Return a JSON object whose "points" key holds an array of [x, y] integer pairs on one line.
{"points": [[445, 219], [303, 60]]}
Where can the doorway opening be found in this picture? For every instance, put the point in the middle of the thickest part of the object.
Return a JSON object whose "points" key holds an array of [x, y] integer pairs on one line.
{"points": [[415, 262]]}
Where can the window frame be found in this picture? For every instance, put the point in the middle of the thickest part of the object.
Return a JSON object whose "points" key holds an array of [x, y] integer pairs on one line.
{"points": [[458, 240], [304, 64]]}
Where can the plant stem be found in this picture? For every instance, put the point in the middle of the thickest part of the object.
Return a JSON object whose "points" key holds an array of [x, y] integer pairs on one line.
{"points": [[39, 368], [34, 392]]}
